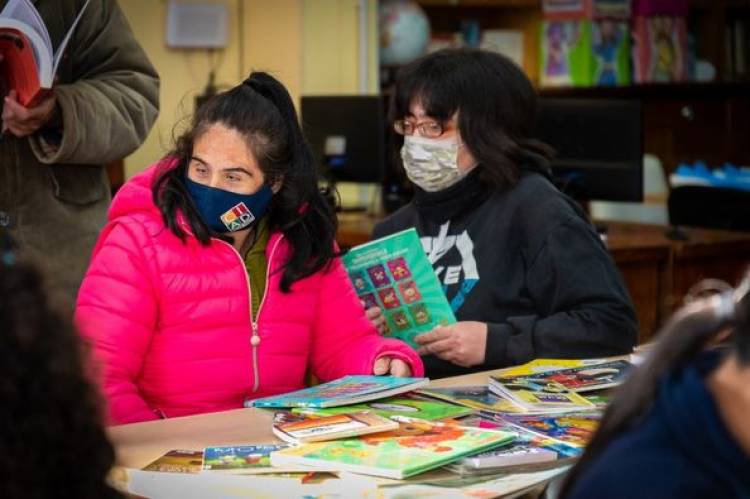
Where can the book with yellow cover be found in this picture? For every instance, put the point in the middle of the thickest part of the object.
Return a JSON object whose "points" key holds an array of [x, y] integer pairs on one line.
{"points": [[582, 378], [178, 461], [532, 395], [542, 365]]}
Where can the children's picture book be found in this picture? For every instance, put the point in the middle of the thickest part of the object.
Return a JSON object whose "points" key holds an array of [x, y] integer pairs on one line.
{"points": [[415, 447], [405, 405], [511, 456], [535, 395], [660, 49], [600, 400], [344, 391], [178, 461], [29, 63], [393, 273], [238, 457], [579, 379], [475, 396], [542, 365], [572, 428], [333, 427]]}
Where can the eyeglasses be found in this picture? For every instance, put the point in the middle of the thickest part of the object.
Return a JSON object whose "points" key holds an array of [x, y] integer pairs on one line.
{"points": [[430, 129]]}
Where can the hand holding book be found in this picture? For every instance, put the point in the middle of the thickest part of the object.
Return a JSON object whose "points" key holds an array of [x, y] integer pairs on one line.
{"points": [[22, 121], [376, 316], [462, 343]]}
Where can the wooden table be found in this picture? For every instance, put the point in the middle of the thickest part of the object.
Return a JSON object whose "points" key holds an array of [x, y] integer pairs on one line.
{"points": [[140, 443], [658, 271]]}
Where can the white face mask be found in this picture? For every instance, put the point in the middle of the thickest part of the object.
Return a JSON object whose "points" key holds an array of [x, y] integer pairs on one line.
{"points": [[432, 164]]}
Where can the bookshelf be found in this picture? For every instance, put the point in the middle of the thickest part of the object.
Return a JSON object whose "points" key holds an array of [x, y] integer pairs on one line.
{"points": [[682, 121]]}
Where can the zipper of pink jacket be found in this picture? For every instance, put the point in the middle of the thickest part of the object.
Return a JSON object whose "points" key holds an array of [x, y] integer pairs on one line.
{"points": [[254, 336]]}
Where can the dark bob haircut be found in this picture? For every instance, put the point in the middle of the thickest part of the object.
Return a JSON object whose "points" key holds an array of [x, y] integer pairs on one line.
{"points": [[261, 110], [496, 105]]}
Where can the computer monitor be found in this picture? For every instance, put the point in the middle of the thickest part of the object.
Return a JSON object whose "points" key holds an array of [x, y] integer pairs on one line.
{"points": [[346, 134], [599, 146]]}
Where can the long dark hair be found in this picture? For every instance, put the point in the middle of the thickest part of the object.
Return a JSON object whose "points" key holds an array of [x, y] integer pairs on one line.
{"points": [[51, 431], [262, 111], [496, 106], [688, 332]]}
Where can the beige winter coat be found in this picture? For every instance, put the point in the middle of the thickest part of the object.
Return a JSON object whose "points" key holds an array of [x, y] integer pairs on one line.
{"points": [[108, 93]]}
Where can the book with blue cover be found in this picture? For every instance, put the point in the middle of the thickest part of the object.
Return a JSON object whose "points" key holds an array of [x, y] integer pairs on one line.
{"points": [[394, 273], [344, 391], [238, 457]]}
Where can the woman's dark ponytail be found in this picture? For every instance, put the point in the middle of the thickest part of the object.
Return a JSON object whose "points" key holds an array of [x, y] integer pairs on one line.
{"points": [[263, 112]]}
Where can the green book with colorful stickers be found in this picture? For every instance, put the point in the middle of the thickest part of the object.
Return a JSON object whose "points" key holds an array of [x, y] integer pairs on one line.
{"points": [[393, 273], [412, 407], [415, 447]]}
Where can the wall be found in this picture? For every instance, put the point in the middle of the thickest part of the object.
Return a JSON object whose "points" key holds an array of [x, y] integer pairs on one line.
{"points": [[331, 47], [310, 45]]}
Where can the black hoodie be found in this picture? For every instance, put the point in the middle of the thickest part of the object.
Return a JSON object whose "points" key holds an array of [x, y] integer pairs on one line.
{"points": [[527, 262]]}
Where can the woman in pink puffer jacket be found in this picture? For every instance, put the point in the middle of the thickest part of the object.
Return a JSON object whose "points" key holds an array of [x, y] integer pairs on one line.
{"points": [[216, 280]]}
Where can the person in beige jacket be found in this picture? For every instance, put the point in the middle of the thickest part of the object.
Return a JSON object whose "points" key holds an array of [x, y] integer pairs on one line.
{"points": [[54, 191]]}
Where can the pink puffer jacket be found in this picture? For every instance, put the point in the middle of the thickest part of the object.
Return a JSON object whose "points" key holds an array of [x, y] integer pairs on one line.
{"points": [[170, 327]]}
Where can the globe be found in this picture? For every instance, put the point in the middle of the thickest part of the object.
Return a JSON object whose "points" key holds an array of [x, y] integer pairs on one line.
{"points": [[404, 31]]}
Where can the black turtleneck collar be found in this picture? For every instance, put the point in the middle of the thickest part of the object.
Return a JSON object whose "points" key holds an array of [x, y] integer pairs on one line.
{"points": [[450, 203]]}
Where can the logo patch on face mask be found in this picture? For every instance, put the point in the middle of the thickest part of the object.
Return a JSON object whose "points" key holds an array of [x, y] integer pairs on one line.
{"points": [[238, 217]]}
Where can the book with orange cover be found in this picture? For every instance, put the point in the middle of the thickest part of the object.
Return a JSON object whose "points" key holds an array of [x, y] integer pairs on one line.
{"points": [[29, 63], [318, 429]]}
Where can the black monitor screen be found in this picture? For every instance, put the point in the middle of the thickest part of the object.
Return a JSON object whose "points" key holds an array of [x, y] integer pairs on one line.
{"points": [[346, 136], [598, 144]]}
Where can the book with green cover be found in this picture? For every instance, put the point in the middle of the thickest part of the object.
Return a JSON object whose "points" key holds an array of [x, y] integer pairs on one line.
{"points": [[475, 396], [393, 273], [400, 406], [415, 447]]}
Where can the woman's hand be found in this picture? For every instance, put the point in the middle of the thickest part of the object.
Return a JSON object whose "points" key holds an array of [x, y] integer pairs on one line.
{"points": [[389, 365], [462, 343], [376, 316]]}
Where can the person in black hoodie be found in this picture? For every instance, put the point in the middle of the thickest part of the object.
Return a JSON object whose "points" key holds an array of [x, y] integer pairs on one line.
{"points": [[526, 274], [678, 425]]}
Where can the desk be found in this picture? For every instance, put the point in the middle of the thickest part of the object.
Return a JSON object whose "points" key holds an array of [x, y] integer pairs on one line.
{"points": [[657, 271], [138, 444]]}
